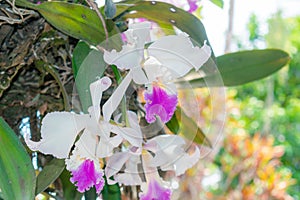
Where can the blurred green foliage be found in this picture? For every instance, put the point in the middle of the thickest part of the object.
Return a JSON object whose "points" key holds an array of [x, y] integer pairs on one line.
{"points": [[276, 100]]}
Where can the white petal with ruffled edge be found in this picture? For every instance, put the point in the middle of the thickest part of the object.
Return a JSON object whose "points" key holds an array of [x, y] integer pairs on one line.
{"points": [[86, 172], [127, 58], [138, 34], [58, 133], [132, 53], [178, 54]]}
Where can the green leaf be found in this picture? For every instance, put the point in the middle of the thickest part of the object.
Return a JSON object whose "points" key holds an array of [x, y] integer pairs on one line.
{"points": [[173, 124], [245, 66], [111, 192], [91, 194], [91, 68], [164, 13], [17, 177], [70, 191], [75, 20], [219, 3], [26, 4], [183, 125], [49, 174], [80, 52]]}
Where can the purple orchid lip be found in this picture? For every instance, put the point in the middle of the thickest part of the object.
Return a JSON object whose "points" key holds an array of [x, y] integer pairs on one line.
{"points": [[159, 103], [86, 177], [156, 192], [193, 5]]}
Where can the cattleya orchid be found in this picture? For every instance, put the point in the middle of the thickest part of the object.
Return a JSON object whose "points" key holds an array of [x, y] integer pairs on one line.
{"points": [[156, 67], [60, 129], [166, 152], [128, 156]]}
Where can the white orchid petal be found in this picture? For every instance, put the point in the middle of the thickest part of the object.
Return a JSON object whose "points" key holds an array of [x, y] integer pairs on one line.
{"points": [[161, 142], [128, 179], [114, 164], [133, 121], [107, 143], [113, 102], [132, 134], [151, 173], [131, 174], [132, 118], [106, 146], [170, 154], [86, 145], [177, 53], [127, 58], [97, 88], [186, 161], [132, 53], [138, 34], [153, 69], [134, 137], [138, 76], [84, 149], [58, 133], [166, 157]]}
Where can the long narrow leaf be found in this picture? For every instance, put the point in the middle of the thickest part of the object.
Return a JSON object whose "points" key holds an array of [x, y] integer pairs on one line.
{"points": [[17, 177], [75, 20], [49, 174], [87, 69], [243, 67]]}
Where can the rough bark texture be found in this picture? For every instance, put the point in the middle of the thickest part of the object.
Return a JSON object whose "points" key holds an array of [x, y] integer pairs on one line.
{"points": [[26, 86]]}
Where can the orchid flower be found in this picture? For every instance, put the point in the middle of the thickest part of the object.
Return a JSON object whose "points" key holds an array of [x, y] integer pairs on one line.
{"points": [[157, 66], [166, 152], [59, 131]]}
